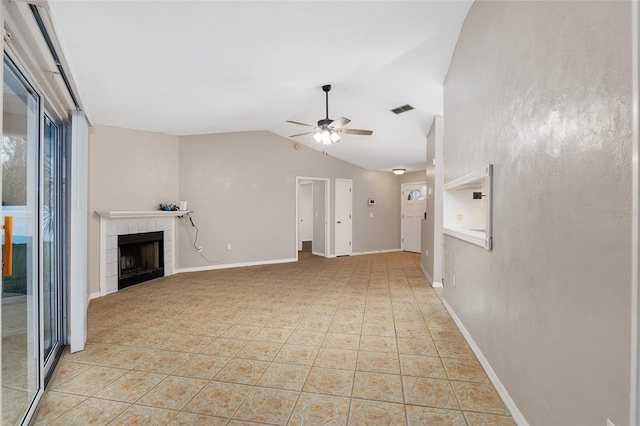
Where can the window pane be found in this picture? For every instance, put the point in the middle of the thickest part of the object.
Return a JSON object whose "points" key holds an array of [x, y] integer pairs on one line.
{"points": [[20, 349]]}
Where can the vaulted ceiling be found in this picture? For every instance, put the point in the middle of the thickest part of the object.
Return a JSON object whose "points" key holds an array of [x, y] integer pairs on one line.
{"points": [[195, 67]]}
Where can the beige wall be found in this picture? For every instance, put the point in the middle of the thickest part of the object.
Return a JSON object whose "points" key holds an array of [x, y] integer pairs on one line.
{"points": [[241, 187], [128, 170], [542, 91], [411, 177]]}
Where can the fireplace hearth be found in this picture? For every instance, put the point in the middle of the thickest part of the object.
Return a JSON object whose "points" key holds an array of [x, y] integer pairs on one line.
{"points": [[140, 258]]}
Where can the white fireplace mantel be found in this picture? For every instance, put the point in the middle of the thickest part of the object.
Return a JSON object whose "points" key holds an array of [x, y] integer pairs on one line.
{"points": [[123, 214], [119, 222]]}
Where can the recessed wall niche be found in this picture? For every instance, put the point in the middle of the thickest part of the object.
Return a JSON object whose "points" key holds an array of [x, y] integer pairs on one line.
{"points": [[468, 208]]}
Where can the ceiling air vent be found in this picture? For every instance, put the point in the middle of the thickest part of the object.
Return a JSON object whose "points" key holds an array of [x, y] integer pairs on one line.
{"points": [[401, 109]]}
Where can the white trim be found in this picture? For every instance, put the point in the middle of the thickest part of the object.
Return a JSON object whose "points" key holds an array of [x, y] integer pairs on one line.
{"points": [[428, 277], [136, 214], [467, 235], [300, 184], [426, 274], [474, 177], [438, 199], [234, 265], [94, 295], [634, 397], [361, 253], [77, 242], [317, 253], [402, 200], [350, 216], [479, 238], [327, 213], [517, 415], [169, 240]]}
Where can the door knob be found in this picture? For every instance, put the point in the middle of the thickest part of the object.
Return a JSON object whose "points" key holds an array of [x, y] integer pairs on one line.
{"points": [[339, 222]]}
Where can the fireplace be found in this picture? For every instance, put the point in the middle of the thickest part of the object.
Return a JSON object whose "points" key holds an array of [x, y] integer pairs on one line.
{"points": [[140, 258]]}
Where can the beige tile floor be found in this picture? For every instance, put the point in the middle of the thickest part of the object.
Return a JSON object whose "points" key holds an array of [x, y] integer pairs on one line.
{"points": [[362, 340]]}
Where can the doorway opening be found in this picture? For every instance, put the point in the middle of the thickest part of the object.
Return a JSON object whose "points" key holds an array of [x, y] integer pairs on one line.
{"points": [[414, 207], [312, 216]]}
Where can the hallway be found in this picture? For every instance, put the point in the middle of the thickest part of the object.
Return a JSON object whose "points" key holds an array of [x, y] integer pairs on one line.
{"points": [[355, 340]]}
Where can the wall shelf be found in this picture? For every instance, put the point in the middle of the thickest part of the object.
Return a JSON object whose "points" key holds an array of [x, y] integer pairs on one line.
{"points": [[132, 214], [465, 217]]}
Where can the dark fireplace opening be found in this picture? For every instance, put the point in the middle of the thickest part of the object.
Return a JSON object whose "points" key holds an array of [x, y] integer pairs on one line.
{"points": [[140, 258]]}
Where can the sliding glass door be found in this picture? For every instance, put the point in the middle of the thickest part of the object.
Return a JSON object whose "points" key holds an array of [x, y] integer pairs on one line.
{"points": [[51, 241], [31, 249], [20, 306]]}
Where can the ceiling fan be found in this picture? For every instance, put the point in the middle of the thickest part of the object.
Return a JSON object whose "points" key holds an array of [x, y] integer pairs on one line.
{"points": [[328, 131]]}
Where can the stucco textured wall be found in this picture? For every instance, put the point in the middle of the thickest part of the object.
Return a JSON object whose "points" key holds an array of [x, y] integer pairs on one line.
{"points": [[543, 91]]}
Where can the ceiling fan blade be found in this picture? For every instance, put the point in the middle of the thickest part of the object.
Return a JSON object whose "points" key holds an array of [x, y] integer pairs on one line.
{"points": [[302, 134], [339, 122], [357, 132], [301, 124]]}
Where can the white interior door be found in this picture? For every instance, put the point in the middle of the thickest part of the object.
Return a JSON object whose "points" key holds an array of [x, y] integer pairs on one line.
{"points": [[343, 225], [413, 208], [305, 213]]}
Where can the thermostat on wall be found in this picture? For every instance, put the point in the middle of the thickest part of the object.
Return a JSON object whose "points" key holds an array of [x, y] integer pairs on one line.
{"points": [[371, 202]]}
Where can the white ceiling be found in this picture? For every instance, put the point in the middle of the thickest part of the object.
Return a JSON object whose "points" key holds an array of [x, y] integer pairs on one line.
{"points": [[196, 67]]}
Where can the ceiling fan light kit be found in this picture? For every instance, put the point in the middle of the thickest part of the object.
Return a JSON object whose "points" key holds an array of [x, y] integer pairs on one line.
{"points": [[329, 131]]}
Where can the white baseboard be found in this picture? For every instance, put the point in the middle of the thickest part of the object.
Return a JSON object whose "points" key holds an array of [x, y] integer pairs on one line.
{"points": [[428, 277], [517, 415], [234, 265], [426, 274], [317, 253], [360, 253], [94, 295]]}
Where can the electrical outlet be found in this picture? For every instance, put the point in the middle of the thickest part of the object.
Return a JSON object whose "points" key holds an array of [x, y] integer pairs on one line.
{"points": [[459, 218], [370, 214], [229, 247], [454, 281], [426, 253]]}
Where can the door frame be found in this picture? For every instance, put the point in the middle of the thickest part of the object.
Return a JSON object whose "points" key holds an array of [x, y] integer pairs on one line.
{"points": [[335, 249], [327, 211], [300, 185], [402, 185], [634, 403], [45, 365], [49, 362]]}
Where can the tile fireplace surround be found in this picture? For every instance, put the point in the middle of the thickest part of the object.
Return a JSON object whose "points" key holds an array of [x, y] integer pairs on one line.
{"points": [[114, 223]]}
